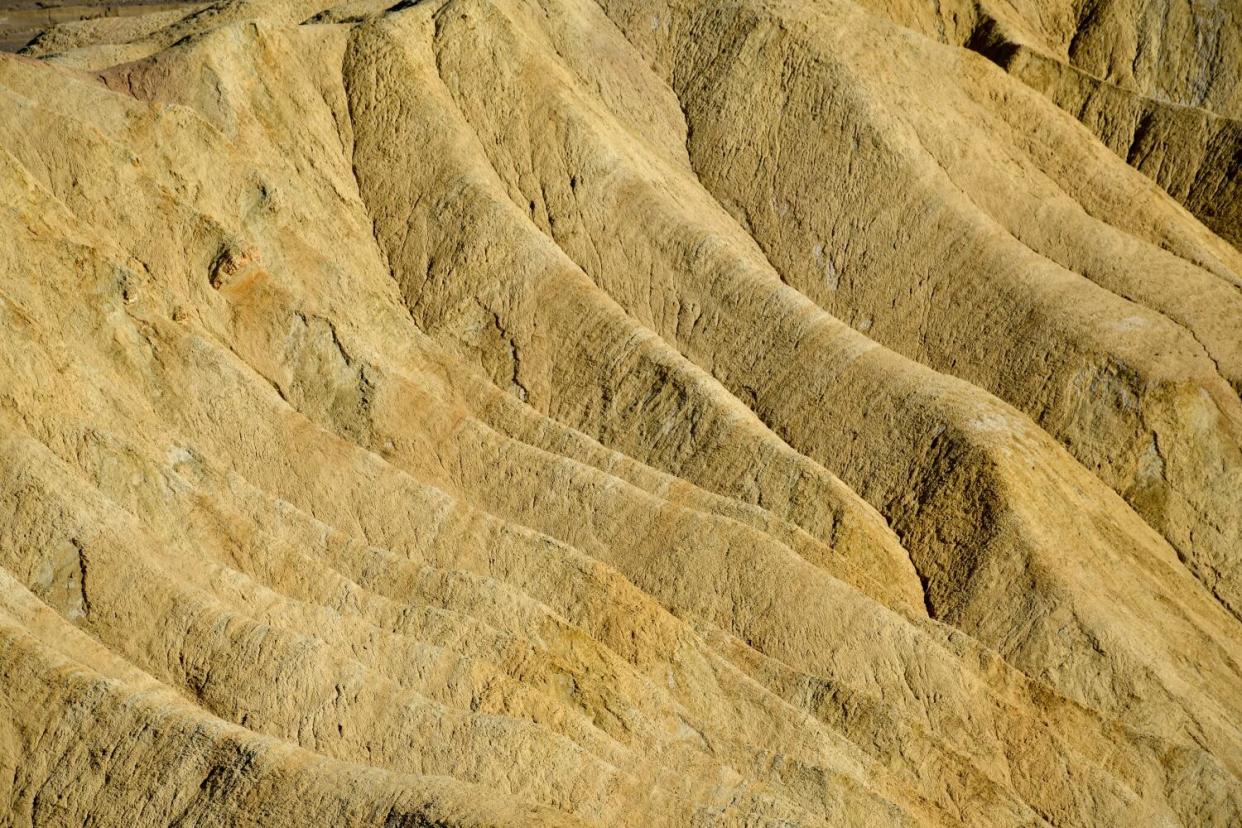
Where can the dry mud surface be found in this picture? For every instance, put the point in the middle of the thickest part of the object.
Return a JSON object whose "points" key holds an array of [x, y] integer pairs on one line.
{"points": [[618, 412]]}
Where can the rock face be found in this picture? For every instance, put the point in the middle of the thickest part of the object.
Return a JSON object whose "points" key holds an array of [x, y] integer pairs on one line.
{"points": [[620, 412]]}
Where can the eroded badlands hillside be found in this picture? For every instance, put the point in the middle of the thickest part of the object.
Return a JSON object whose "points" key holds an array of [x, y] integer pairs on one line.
{"points": [[618, 412], [23, 20]]}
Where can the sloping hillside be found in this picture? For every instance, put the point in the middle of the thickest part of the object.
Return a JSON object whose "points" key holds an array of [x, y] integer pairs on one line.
{"points": [[22, 21], [619, 412]]}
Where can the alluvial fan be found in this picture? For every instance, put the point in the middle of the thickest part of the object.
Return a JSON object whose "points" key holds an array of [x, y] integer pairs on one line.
{"points": [[621, 412]]}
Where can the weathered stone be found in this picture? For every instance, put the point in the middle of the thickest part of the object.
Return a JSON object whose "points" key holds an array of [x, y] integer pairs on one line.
{"points": [[617, 412]]}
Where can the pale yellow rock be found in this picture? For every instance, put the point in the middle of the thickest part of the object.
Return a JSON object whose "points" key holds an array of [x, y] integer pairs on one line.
{"points": [[510, 412]]}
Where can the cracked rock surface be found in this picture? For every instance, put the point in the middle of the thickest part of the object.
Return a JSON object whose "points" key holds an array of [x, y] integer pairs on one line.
{"points": [[620, 412]]}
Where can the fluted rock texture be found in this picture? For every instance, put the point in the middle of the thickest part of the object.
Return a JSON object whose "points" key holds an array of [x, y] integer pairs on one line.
{"points": [[619, 412]]}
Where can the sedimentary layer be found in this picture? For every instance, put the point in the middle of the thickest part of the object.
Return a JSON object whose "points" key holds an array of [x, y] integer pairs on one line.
{"points": [[483, 412]]}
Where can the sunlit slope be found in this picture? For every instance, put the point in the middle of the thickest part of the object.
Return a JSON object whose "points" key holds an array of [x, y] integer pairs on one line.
{"points": [[614, 413]]}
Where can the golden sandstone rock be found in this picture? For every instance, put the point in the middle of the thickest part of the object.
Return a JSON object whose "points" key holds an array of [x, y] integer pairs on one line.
{"points": [[620, 412]]}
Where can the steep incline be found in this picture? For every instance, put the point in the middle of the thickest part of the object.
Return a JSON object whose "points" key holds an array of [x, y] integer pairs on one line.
{"points": [[481, 412], [1157, 82]]}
